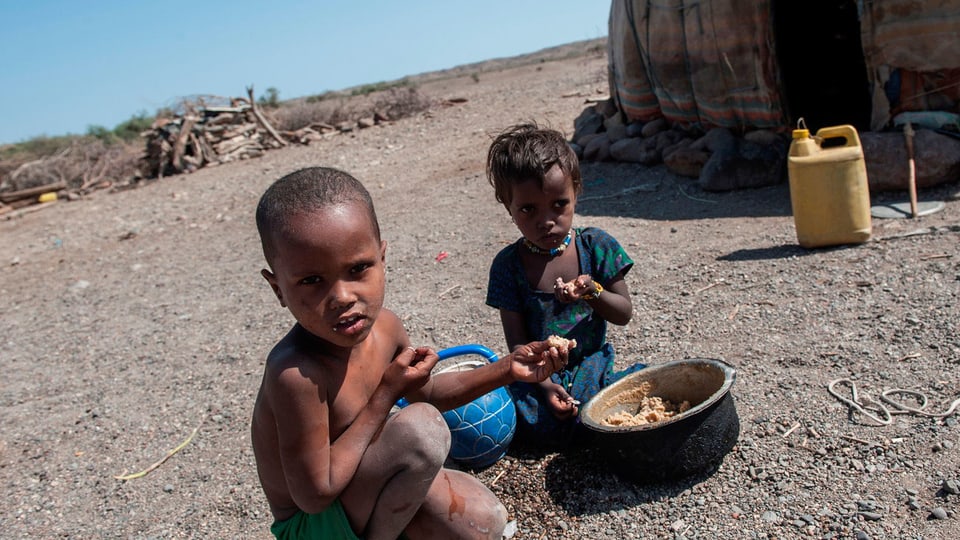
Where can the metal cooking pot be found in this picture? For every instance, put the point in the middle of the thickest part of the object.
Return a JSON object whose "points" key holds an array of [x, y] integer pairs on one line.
{"points": [[679, 446]]}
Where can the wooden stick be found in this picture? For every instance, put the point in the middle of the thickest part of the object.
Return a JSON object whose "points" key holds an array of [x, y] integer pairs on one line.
{"points": [[791, 430], [11, 196], [854, 439], [912, 176], [263, 121], [937, 256], [444, 293], [181, 143], [27, 210], [710, 286]]}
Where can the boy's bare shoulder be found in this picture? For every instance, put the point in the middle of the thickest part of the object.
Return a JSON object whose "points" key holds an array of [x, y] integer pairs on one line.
{"points": [[389, 321], [390, 326], [292, 352]]}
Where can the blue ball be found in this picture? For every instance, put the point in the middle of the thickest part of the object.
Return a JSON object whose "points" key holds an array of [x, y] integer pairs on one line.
{"points": [[481, 430]]}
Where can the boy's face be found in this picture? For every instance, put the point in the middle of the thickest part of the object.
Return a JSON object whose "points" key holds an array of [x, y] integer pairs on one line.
{"points": [[544, 214], [329, 271]]}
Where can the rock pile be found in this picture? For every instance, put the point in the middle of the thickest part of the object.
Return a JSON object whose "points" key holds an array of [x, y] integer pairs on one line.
{"points": [[722, 160]]}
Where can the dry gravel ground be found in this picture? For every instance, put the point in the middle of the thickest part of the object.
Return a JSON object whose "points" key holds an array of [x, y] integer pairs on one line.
{"points": [[130, 319]]}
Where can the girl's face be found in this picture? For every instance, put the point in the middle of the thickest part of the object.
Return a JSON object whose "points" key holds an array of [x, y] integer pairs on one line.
{"points": [[544, 213], [329, 271]]}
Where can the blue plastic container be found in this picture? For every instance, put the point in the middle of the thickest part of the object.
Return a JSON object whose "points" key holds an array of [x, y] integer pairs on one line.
{"points": [[481, 431]]}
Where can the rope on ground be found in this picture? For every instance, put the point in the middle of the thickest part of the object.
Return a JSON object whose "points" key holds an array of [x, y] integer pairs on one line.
{"points": [[149, 469], [651, 187], [882, 413]]}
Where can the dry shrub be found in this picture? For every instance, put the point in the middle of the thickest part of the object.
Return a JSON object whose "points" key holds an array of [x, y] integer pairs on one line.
{"points": [[397, 103], [81, 165], [393, 103], [302, 114]]}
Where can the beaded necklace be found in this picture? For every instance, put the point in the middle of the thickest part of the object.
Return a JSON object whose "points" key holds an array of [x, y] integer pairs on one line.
{"points": [[551, 252]]}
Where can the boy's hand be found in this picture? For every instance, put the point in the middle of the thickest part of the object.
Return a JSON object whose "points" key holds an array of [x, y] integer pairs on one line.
{"points": [[562, 405], [574, 290], [410, 370], [536, 361]]}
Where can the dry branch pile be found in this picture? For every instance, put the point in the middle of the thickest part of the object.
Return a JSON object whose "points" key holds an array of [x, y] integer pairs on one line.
{"points": [[71, 173], [205, 136], [197, 135]]}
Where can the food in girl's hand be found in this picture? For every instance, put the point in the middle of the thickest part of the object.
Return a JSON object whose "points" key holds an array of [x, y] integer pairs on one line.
{"points": [[560, 285], [561, 343]]}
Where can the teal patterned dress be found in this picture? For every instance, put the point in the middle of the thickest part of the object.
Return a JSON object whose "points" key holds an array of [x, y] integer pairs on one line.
{"points": [[591, 363]]}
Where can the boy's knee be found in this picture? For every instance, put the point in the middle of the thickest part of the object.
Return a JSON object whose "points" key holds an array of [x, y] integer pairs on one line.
{"points": [[421, 428], [499, 518], [491, 517]]}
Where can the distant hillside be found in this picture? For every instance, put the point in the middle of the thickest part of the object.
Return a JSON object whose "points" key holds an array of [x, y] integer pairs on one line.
{"points": [[569, 50]]}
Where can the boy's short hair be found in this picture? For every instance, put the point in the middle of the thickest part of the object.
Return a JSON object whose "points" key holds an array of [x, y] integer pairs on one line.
{"points": [[307, 190], [527, 151]]}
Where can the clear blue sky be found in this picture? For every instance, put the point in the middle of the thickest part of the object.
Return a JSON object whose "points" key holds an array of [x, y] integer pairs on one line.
{"points": [[66, 65]]}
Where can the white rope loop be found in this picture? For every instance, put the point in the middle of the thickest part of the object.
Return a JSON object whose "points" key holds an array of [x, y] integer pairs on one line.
{"points": [[880, 413]]}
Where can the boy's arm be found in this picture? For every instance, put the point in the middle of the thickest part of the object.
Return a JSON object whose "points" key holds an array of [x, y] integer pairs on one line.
{"points": [[315, 470], [532, 362]]}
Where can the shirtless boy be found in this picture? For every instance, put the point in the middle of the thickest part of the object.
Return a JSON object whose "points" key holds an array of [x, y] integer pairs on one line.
{"points": [[332, 461]]}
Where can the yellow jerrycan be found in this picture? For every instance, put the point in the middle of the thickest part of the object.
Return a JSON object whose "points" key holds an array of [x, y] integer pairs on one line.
{"points": [[829, 191]]}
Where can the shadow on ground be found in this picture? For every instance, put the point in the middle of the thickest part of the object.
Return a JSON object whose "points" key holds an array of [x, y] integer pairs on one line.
{"points": [[571, 474], [579, 480], [636, 191]]}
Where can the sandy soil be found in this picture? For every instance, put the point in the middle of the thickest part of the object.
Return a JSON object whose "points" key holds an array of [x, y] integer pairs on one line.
{"points": [[129, 320]]}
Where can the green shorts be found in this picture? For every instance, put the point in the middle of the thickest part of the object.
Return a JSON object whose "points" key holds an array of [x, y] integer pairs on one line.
{"points": [[331, 523]]}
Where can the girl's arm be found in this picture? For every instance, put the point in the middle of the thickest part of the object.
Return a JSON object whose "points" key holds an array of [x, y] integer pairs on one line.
{"points": [[514, 329], [614, 304], [610, 301]]}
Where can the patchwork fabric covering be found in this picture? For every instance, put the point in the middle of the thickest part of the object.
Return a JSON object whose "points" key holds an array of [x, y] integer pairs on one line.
{"points": [[912, 51], [704, 62], [714, 62]]}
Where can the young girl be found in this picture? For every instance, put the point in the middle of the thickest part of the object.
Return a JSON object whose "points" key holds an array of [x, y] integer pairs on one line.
{"points": [[555, 280]]}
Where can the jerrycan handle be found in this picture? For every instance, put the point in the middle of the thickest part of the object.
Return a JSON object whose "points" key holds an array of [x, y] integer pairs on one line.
{"points": [[846, 132]]}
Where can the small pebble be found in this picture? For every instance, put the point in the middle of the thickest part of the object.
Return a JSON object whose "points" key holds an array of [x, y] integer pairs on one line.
{"points": [[951, 487], [938, 513]]}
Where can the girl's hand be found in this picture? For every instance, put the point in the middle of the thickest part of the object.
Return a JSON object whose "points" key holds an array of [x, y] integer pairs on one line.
{"points": [[576, 289], [562, 405], [536, 361], [409, 370]]}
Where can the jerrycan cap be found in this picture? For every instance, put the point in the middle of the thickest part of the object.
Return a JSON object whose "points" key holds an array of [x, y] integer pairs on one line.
{"points": [[801, 132]]}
